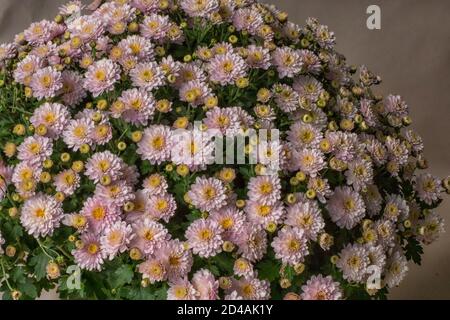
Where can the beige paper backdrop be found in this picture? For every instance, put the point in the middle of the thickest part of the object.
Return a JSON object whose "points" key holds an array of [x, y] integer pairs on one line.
{"points": [[412, 54]]}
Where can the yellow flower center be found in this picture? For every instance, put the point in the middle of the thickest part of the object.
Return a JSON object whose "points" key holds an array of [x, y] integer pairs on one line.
{"points": [[39, 213], [158, 142], [98, 213], [205, 234], [264, 210], [92, 248]]}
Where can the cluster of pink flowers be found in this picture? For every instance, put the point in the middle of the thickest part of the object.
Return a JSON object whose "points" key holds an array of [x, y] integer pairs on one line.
{"points": [[345, 187]]}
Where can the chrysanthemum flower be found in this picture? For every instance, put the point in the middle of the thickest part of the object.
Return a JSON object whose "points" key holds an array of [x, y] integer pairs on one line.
{"points": [[428, 188], [291, 245], [207, 194], [430, 228], [153, 269], [118, 193], [147, 76], [353, 262], [155, 184], [199, 8], [155, 27], [177, 259], [78, 132], [258, 57], [306, 216], [104, 164], [101, 77], [303, 135], [310, 161], [225, 120], [359, 174], [67, 182], [396, 208], [53, 116], [149, 235], [162, 207], [41, 215], [26, 68], [287, 61], [231, 220], [251, 288], [116, 239], [90, 255], [100, 214], [205, 237], [72, 88], [181, 289], [35, 150], [346, 207], [321, 288], [252, 243], [139, 106], [206, 285], [46, 82], [227, 68], [397, 267], [156, 144]]}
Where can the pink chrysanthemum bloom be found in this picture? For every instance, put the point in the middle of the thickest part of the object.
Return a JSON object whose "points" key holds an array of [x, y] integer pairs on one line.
{"points": [[231, 220], [35, 149], [39, 32], [321, 288], [139, 106], [206, 285], [303, 135], [205, 237], [226, 68], [248, 19], [396, 208], [291, 245], [7, 51], [104, 164], [397, 150], [359, 174], [243, 268], [430, 228], [287, 61], [188, 72], [87, 28], [138, 47], [162, 207], [415, 140], [353, 262], [194, 92], [72, 90], [6, 173], [252, 243], [46, 82], [24, 176], [225, 120], [251, 288], [199, 8], [264, 214], [119, 193], [26, 68], [147, 76], [140, 207], [181, 289], [310, 161], [396, 106], [78, 132], [207, 194], [286, 98], [102, 134], [428, 188], [373, 200], [155, 184], [41, 215], [258, 57], [396, 269], [70, 8], [90, 256], [156, 144], [385, 232], [116, 239], [310, 62], [53, 116], [265, 190], [153, 269], [308, 87], [169, 66], [192, 148], [346, 207], [344, 145], [155, 27], [245, 119], [100, 214], [149, 235], [101, 77], [321, 187], [176, 257], [67, 182], [377, 255], [306, 216]]}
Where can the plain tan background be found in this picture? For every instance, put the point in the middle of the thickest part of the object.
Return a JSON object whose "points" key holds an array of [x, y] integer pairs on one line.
{"points": [[412, 54]]}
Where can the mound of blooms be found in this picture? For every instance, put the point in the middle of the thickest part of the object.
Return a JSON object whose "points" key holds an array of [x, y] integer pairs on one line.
{"points": [[99, 201]]}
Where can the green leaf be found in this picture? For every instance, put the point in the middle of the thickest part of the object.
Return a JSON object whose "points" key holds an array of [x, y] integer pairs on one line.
{"points": [[123, 275], [39, 262], [269, 270], [413, 250]]}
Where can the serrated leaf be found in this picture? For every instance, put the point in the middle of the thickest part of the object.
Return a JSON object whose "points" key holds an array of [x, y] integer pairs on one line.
{"points": [[39, 262], [123, 275]]}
